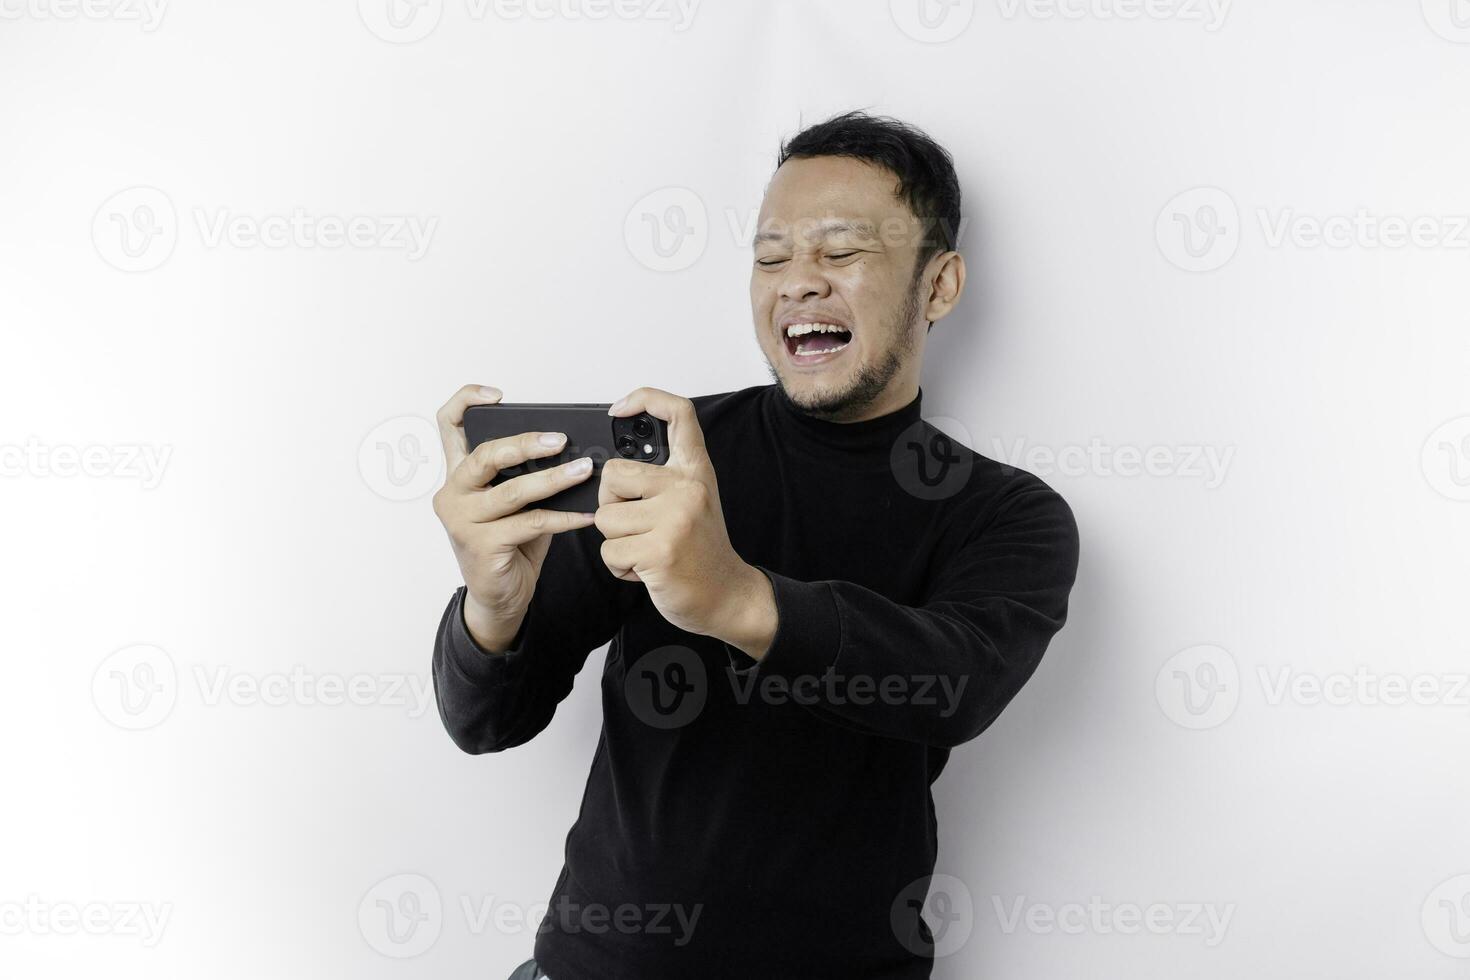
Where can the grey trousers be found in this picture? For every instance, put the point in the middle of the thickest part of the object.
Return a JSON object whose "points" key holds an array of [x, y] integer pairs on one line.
{"points": [[528, 971]]}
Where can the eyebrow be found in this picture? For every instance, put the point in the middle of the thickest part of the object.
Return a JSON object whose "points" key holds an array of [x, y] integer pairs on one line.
{"points": [[826, 229]]}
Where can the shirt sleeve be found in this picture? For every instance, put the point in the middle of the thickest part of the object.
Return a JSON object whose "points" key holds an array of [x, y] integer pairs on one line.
{"points": [[494, 701], [940, 672]]}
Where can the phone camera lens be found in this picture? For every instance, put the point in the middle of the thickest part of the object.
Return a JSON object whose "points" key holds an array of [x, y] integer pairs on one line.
{"points": [[642, 427], [627, 446]]}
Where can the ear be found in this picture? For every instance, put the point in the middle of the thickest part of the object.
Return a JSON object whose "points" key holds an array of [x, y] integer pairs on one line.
{"points": [[947, 287]]}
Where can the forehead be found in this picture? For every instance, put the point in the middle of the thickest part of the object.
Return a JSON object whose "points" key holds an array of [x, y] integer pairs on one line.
{"points": [[816, 196]]}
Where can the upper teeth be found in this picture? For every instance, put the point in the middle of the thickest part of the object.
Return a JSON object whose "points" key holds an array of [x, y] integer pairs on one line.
{"points": [[802, 329]]}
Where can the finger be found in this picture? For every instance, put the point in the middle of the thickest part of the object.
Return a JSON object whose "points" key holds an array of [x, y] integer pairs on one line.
{"points": [[686, 438], [529, 525], [622, 518], [623, 479], [451, 421], [620, 555], [494, 455], [506, 498]]}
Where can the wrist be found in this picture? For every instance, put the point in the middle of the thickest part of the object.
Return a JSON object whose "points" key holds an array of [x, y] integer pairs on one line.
{"points": [[750, 625], [492, 633]]}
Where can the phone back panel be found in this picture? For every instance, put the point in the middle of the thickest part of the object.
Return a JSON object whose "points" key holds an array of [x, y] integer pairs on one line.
{"points": [[590, 432]]}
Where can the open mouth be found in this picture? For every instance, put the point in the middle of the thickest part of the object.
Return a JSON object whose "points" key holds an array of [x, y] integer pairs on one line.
{"points": [[813, 342]]}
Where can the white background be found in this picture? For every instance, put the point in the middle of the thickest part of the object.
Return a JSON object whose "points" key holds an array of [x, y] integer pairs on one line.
{"points": [[1329, 546]]}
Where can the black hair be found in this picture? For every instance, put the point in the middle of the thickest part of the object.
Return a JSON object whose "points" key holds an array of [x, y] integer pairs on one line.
{"points": [[925, 170]]}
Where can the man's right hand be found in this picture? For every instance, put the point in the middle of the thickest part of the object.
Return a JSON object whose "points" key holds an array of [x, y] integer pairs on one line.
{"points": [[499, 546]]}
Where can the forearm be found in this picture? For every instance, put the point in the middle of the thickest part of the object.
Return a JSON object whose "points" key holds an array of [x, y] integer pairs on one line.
{"points": [[487, 700]]}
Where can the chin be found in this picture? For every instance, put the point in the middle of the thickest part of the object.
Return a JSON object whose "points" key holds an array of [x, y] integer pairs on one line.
{"points": [[836, 399]]}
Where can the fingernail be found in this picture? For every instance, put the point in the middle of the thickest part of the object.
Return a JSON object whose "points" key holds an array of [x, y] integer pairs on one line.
{"points": [[617, 406], [580, 467], [552, 439], [488, 392]]}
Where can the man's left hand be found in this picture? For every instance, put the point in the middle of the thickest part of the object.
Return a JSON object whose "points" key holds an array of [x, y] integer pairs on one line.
{"points": [[664, 528]]}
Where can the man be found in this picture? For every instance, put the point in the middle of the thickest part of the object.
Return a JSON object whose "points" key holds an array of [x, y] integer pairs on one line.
{"points": [[813, 601]]}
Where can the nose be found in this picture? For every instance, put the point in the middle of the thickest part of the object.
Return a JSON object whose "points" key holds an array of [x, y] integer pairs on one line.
{"points": [[804, 280]]}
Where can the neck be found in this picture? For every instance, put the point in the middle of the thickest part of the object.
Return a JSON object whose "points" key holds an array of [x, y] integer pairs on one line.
{"points": [[898, 394]]}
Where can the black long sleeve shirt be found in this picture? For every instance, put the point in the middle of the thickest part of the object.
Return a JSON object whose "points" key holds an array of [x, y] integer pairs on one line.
{"points": [[772, 819]]}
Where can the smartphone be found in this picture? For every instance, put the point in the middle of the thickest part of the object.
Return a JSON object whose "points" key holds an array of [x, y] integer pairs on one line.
{"points": [[590, 432]]}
